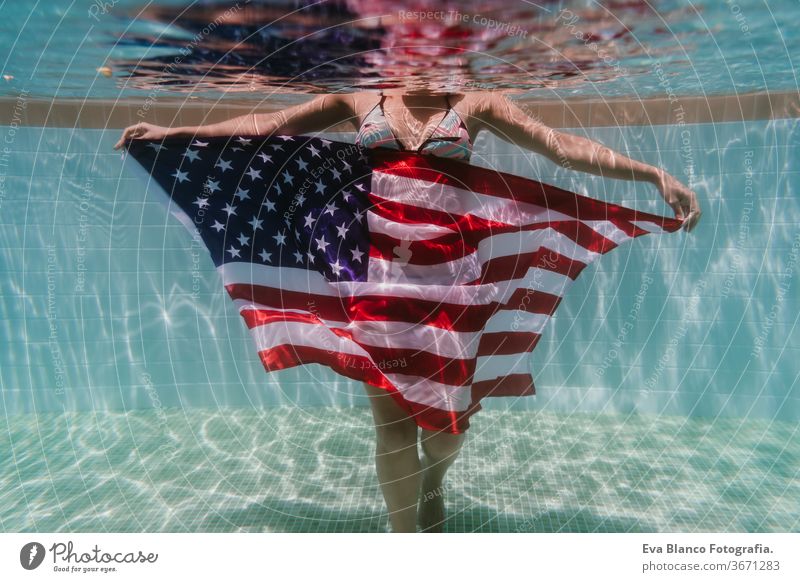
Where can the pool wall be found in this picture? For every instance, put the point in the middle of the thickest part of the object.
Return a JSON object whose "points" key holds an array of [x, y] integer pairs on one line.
{"points": [[106, 303]]}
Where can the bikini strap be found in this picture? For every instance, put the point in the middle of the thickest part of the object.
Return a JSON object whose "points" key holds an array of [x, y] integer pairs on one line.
{"points": [[379, 103]]}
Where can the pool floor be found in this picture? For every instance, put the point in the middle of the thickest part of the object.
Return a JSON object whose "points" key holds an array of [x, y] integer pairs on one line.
{"points": [[311, 470]]}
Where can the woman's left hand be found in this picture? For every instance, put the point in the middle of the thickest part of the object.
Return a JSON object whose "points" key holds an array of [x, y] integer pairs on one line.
{"points": [[681, 199]]}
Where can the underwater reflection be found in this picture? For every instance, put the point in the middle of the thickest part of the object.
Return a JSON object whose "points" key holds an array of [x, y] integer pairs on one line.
{"points": [[303, 46]]}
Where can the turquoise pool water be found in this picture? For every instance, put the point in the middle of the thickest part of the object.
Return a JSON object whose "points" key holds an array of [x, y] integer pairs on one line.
{"points": [[242, 470], [133, 400]]}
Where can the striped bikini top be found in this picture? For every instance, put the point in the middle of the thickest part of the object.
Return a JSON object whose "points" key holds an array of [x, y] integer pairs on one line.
{"points": [[450, 138]]}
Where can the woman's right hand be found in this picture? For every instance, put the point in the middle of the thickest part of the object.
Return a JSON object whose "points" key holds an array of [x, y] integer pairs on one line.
{"points": [[142, 131], [681, 199]]}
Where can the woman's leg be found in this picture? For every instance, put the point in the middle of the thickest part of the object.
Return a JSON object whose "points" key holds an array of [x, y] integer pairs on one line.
{"points": [[440, 450], [396, 459]]}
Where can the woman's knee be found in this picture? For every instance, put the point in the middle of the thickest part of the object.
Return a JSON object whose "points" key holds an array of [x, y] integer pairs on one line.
{"points": [[439, 446], [397, 435]]}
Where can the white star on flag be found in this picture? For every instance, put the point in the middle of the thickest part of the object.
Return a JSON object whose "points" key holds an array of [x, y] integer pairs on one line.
{"points": [[181, 176], [321, 243], [191, 155], [223, 164], [357, 254]]}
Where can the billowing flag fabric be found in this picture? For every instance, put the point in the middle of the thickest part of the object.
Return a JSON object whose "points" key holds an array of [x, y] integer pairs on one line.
{"points": [[430, 278]]}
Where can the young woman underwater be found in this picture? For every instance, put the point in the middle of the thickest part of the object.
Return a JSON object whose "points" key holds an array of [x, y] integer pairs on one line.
{"points": [[439, 124]]}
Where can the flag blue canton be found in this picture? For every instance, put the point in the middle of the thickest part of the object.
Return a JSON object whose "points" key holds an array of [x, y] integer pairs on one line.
{"points": [[288, 201]]}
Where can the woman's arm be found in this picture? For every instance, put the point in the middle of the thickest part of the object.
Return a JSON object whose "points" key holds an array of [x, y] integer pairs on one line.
{"points": [[502, 117], [318, 114]]}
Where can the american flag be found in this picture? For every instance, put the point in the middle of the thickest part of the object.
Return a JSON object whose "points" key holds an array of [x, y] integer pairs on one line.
{"points": [[430, 278]]}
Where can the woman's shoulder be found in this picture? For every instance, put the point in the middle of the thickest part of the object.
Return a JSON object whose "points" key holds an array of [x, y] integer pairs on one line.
{"points": [[478, 108], [363, 100]]}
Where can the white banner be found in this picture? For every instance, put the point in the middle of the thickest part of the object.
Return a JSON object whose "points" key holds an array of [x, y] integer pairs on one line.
{"points": [[386, 557]]}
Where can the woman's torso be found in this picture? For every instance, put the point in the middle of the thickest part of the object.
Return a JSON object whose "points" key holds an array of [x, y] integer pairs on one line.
{"points": [[449, 138]]}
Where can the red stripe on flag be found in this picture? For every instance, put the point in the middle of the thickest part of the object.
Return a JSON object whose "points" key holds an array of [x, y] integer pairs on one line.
{"points": [[408, 214], [502, 185], [507, 343], [467, 318], [256, 317], [511, 385], [472, 232], [491, 343], [516, 266]]}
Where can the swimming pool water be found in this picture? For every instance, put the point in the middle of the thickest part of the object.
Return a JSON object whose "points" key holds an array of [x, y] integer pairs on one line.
{"points": [[242, 470]]}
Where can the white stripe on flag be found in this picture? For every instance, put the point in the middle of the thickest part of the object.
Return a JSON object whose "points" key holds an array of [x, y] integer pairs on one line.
{"points": [[432, 393], [513, 243], [608, 229], [403, 231], [492, 367], [516, 320], [457, 272], [649, 226], [312, 335], [302, 281]]}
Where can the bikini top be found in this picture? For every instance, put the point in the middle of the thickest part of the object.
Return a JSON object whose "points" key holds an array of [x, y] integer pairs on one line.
{"points": [[450, 138]]}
